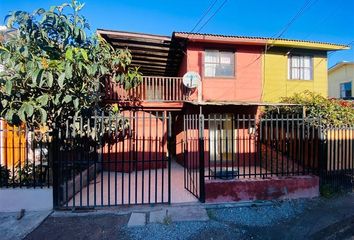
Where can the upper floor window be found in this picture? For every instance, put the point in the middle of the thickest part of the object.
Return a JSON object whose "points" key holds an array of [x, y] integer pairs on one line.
{"points": [[219, 63], [346, 90], [300, 67]]}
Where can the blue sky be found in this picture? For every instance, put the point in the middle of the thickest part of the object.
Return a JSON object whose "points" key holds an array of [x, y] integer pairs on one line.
{"points": [[325, 20]]}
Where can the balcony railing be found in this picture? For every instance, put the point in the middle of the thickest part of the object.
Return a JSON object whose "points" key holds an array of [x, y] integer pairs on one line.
{"points": [[152, 89]]}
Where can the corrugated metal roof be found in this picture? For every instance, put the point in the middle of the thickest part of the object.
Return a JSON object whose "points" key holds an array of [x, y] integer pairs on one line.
{"points": [[255, 38]]}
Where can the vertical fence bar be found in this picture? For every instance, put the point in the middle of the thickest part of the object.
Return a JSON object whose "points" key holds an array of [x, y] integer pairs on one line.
{"points": [[156, 151], [163, 159], [169, 144], [143, 161], [136, 155], [150, 157], [201, 159], [260, 142], [54, 147]]}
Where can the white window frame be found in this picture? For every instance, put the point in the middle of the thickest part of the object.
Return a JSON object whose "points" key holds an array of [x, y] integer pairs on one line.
{"points": [[301, 68], [341, 91], [218, 62]]}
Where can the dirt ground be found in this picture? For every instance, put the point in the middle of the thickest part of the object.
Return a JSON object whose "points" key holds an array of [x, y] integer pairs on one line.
{"points": [[298, 219]]}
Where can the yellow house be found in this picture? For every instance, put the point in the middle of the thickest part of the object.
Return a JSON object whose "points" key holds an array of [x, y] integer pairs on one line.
{"points": [[341, 80], [291, 66]]}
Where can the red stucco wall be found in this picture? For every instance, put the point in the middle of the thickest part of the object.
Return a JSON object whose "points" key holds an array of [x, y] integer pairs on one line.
{"points": [[262, 189], [146, 148], [246, 85]]}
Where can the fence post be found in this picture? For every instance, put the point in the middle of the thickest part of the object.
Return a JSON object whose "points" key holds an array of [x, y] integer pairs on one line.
{"points": [[169, 142], [53, 155], [201, 159], [322, 154]]}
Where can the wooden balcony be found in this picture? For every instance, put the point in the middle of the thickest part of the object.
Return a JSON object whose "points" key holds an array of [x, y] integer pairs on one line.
{"points": [[152, 89]]}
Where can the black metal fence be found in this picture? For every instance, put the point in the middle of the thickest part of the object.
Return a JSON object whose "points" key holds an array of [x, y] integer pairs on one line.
{"points": [[124, 159], [245, 146], [113, 160], [24, 157]]}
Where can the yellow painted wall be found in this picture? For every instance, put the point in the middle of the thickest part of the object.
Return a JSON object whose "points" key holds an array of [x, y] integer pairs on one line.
{"points": [[343, 74], [275, 76]]}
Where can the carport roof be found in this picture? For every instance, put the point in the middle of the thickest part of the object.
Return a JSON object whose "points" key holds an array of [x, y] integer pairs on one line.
{"points": [[155, 55]]}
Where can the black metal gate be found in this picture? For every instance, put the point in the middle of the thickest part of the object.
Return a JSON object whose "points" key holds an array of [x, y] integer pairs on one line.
{"points": [[236, 146], [193, 126], [113, 160]]}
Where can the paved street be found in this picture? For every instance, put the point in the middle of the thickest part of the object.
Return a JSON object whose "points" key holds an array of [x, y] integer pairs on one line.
{"points": [[301, 219]]}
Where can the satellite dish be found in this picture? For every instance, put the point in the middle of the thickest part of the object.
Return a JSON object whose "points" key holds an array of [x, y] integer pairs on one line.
{"points": [[191, 79]]}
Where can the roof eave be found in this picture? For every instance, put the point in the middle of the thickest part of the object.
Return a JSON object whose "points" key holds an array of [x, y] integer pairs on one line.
{"points": [[211, 38], [307, 45]]}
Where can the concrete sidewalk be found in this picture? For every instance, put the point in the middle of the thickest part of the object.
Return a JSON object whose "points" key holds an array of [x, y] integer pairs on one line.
{"points": [[11, 228]]}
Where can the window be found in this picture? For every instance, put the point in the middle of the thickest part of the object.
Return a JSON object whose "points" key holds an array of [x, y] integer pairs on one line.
{"points": [[346, 90], [300, 67], [219, 64]]}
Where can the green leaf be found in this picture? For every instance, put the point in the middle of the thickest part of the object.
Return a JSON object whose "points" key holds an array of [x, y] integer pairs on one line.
{"points": [[9, 115], [4, 102], [103, 69], [68, 71], [76, 103], [69, 54], [43, 115], [43, 100], [56, 100], [28, 109], [61, 79], [8, 87], [21, 113], [37, 76], [67, 98], [50, 79], [84, 54]]}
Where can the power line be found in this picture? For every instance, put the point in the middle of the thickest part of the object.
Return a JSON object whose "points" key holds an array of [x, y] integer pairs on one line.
{"points": [[318, 24], [203, 15], [301, 11], [208, 20]]}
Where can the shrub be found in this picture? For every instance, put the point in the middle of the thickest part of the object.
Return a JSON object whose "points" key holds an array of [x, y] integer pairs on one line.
{"points": [[318, 109]]}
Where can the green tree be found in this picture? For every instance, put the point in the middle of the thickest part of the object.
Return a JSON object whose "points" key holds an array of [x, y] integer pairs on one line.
{"points": [[54, 69]]}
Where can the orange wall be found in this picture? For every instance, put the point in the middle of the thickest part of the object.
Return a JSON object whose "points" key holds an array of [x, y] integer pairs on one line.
{"points": [[245, 86], [13, 146]]}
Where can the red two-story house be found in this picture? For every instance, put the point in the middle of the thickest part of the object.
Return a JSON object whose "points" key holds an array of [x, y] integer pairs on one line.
{"points": [[214, 125]]}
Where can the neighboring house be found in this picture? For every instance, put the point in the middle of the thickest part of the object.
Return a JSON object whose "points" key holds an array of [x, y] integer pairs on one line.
{"points": [[341, 80]]}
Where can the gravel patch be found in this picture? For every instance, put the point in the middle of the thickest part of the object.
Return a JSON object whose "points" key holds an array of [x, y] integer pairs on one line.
{"points": [[164, 231], [260, 215], [224, 223]]}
